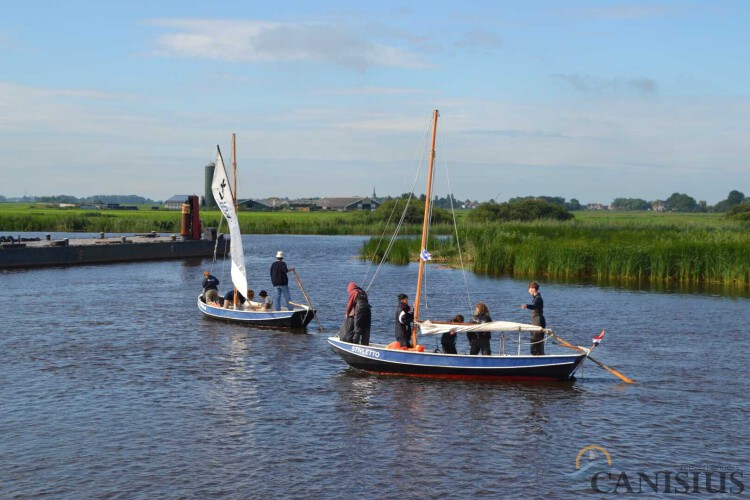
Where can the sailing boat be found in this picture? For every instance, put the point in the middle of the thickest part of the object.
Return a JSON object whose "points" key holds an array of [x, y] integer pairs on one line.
{"points": [[249, 313], [378, 358]]}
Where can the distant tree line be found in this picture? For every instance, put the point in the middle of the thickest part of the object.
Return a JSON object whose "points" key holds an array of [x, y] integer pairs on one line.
{"points": [[680, 202], [99, 199], [735, 205]]}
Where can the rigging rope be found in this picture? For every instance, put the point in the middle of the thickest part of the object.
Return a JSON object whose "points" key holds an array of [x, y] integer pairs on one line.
{"points": [[403, 215], [455, 224]]}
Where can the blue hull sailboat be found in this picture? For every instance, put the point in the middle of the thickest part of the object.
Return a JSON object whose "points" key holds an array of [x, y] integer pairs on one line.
{"points": [[250, 313], [377, 358], [382, 359]]}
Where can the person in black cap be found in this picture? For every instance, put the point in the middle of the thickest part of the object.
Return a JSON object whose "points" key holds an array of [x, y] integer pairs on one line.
{"points": [[267, 301]]}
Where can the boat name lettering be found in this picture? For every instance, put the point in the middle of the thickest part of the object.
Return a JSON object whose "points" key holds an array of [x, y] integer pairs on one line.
{"points": [[366, 352]]}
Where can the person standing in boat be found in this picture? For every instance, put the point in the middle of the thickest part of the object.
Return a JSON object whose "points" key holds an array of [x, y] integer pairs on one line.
{"points": [[537, 318], [448, 339], [480, 341], [358, 316], [404, 319], [280, 281], [210, 287]]}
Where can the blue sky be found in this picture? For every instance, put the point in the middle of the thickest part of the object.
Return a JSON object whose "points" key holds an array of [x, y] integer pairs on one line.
{"points": [[582, 99]]}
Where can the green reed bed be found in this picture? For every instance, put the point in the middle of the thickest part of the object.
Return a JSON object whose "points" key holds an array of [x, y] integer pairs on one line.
{"points": [[637, 251]]}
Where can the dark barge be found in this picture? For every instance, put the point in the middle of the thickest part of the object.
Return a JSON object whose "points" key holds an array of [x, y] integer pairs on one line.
{"points": [[193, 241], [77, 251]]}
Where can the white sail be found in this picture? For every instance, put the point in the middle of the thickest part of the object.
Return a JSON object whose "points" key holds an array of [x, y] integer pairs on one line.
{"points": [[223, 196], [433, 328]]}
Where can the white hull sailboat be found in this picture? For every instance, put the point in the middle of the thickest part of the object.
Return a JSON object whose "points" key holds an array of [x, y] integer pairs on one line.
{"points": [[249, 313]]}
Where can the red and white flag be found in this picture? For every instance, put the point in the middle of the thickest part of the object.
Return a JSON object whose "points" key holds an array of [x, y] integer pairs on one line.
{"points": [[598, 338]]}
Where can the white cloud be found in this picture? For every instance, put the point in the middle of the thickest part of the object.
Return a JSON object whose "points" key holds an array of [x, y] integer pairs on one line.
{"points": [[261, 41], [631, 11], [477, 39], [593, 84], [388, 91]]}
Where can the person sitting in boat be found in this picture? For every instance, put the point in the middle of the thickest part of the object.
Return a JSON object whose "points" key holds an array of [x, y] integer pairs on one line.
{"points": [[280, 281], [480, 341], [210, 287], [267, 301], [448, 340], [229, 299], [358, 316], [249, 304], [537, 319], [404, 319]]}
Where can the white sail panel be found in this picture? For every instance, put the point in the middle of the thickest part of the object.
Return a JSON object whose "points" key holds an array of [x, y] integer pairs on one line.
{"points": [[223, 195], [429, 328]]}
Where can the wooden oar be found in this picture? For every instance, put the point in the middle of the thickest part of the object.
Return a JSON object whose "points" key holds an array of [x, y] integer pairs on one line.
{"points": [[609, 369], [320, 327]]}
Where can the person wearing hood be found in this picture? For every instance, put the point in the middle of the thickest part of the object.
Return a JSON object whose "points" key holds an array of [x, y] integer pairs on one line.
{"points": [[358, 315], [404, 319]]}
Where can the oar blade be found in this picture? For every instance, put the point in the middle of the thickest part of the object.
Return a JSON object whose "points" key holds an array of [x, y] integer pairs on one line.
{"points": [[614, 372]]}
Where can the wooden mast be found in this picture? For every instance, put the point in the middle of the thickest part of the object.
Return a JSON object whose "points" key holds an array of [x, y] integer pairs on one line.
{"points": [[234, 193], [426, 221]]}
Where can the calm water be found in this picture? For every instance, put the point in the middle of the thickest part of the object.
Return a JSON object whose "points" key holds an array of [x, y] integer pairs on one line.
{"points": [[113, 385]]}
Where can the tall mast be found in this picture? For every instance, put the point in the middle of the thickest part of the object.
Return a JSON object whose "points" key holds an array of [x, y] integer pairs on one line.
{"points": [[428, 196], [234, 170], [234, 192]]}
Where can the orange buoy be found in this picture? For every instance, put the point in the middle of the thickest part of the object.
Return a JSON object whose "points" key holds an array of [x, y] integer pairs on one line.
{"points": [[394, 345], [420, 348]]}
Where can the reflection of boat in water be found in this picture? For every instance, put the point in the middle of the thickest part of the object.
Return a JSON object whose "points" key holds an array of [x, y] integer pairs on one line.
{"points": [[381, 359], [249, 313]]}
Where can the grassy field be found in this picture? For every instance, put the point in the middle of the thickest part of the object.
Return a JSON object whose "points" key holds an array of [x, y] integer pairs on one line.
{"points": [[26, 217], [600, 245]]}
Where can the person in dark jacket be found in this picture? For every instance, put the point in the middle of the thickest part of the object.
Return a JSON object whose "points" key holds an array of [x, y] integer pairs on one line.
{"points": [[229, 298], [210, 287], [537, 318], [480, 341], [280, 281], [404, 318], [358, 316], [448, 340]]}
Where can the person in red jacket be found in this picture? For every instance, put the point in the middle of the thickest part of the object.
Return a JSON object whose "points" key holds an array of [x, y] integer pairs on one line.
{"points": [[358, 316]]}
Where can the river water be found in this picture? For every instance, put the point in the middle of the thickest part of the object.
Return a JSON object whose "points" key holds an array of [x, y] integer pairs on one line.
{"points": [[112, 385]]}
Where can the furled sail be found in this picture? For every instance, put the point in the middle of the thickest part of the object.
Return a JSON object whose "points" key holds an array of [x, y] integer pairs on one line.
{"points": [[224, 199], [433, 328]]}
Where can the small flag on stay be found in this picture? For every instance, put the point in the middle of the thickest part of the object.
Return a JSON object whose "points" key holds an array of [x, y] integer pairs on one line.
{"points": [[425, 255], [598, 338]]}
